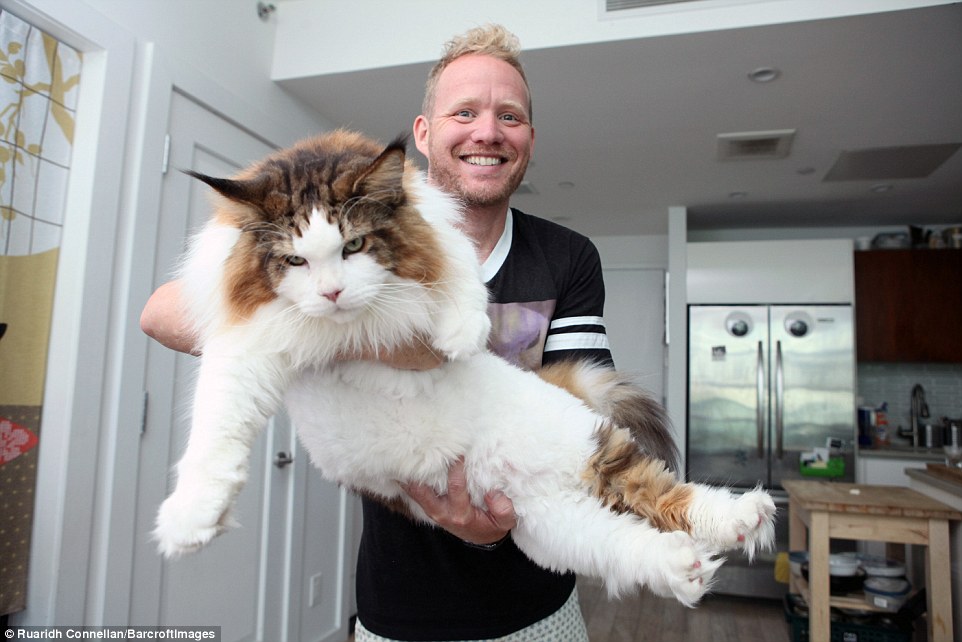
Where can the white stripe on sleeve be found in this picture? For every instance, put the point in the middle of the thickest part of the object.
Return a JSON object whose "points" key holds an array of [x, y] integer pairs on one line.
{"points": [[567, 322], [577, 341]]}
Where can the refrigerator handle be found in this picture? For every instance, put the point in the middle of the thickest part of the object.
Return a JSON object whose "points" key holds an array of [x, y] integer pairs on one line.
{"points": [[760, 400], [779, 401]]}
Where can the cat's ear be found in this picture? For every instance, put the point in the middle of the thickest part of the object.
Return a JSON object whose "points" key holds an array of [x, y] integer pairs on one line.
{"points": [[383, 179], [254, 191]]}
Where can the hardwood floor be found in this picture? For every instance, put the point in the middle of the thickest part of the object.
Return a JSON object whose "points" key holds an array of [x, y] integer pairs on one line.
{"points": [[646, 617]]}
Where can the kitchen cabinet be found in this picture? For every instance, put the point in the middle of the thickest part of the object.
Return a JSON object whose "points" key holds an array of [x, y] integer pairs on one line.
{"points": [[887, 468], [908, 305]]}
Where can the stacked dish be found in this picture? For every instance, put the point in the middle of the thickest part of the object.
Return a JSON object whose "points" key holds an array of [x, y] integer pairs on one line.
{"points": [[886, 593], [885, 586], [882, 580]]}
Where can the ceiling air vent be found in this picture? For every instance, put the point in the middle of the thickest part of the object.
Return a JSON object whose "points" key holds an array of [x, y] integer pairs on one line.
{"points": [[755, 145], [621, 5], [880, 163]]}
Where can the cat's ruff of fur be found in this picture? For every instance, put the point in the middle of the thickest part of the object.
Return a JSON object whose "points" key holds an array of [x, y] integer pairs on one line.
{"points": [[590, 496]]}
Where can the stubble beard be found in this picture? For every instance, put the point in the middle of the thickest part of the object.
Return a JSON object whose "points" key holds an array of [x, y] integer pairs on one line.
{"points": [[445, 177]]}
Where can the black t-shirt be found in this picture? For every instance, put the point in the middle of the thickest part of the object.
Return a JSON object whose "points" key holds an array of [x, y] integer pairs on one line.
{"points": [[417, 582]]}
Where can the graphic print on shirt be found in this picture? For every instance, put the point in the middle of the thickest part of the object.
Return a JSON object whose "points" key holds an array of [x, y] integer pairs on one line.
{"points": [[519, 330]]}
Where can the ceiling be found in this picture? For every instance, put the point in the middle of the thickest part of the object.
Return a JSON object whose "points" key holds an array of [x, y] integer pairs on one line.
{"points": [[626, 129]]}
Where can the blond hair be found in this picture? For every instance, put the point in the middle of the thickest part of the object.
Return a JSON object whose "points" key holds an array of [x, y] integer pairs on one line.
{"points": [[489, 40]]}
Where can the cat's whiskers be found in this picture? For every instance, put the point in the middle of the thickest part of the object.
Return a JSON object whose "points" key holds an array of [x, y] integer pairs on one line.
{"points": [[266, 227], [394, 299]]}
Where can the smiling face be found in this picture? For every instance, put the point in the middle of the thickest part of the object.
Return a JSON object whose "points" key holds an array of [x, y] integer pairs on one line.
{"points": [[478, 138]]}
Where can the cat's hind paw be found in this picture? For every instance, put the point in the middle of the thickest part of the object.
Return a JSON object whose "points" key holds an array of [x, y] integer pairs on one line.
{"points": [[184, 526], [728, 521], [754, 515], [687, 568]]}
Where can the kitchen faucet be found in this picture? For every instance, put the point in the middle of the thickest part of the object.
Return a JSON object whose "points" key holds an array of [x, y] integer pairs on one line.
{"points": [[919, 409]]}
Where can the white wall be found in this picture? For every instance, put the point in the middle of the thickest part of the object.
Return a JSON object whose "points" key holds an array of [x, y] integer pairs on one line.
{"points": [[632, 251], [229, 45], [784, 271], [538, 23]]}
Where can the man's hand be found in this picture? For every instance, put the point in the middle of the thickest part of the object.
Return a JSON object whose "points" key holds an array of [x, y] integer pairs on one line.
{"points": [[455, 513]]}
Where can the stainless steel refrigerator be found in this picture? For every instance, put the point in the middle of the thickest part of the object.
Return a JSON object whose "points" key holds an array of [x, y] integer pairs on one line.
{"points": [[765, 384]]}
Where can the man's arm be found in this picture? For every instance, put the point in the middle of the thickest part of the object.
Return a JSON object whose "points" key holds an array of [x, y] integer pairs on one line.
{"points": [[164, 320]]}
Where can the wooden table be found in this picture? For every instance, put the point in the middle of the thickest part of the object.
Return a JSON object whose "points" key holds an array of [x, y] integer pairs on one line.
{"points": [[875, 513]]}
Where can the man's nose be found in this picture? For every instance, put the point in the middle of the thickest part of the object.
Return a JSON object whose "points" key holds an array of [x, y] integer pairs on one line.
{"points": [[488, 129]]}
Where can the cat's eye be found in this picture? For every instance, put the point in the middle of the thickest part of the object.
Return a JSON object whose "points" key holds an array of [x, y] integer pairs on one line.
{"points": [[354, 245], [295, 260]]}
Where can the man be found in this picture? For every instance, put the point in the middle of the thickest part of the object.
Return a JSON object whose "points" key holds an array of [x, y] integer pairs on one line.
{"points": [[468, 581]]}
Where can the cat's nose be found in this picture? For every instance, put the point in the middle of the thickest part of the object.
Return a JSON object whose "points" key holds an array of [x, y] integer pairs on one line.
{"points": [[332, 295]]}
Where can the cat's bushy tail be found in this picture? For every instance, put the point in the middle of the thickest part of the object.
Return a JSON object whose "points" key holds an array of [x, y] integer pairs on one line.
{"points": [[620, 398]]}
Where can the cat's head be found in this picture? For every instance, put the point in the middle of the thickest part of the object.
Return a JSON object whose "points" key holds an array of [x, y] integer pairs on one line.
{"points": [[331, 225]]}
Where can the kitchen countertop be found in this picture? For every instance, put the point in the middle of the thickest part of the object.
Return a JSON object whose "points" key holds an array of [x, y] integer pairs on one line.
{"points": [[904, 452], [936, 481]]}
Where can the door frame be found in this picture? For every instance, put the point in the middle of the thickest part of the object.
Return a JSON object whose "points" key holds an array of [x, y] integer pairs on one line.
{"points": [[80, 563], [79, 360]]}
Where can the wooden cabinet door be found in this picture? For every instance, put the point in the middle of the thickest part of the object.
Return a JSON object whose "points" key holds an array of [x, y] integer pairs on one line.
{"points": [[908, 305]]}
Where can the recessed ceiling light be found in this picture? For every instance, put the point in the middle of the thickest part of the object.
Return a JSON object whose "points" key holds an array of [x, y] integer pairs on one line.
{"points": [[737, 194], [764, 74], [881, 187]]}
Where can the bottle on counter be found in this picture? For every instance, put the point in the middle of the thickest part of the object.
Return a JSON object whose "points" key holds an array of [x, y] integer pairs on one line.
{"points": [[866, 426], [882, 425]]}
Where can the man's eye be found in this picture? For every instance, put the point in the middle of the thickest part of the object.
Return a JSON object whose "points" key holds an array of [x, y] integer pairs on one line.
{"points": [[464, 113], [295, 260], [354, 245]]}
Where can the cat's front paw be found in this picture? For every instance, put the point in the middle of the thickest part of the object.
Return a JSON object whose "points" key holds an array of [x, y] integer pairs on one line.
{"points": [[727, 521], [687, 568], [186, 524], [459, 336]]}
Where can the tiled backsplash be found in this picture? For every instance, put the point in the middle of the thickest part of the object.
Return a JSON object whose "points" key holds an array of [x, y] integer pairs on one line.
{"points": [[893, 382]]}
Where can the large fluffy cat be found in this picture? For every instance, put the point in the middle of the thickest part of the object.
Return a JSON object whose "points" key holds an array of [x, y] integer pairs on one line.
{"points": [[338, 245]]}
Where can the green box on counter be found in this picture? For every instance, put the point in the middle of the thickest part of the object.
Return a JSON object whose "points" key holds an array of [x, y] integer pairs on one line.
{"points": [[834, 467]]}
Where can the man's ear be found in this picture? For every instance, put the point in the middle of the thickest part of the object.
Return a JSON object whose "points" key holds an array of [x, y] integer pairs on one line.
{"points": [[421, 134]]}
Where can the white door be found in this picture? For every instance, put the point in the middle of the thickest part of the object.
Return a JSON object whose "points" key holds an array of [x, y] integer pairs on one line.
{"points": [[266, 580], [635, 323]]}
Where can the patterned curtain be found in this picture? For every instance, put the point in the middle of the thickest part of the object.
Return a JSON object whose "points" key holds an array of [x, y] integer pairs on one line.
{"points": [[39, 80]]}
